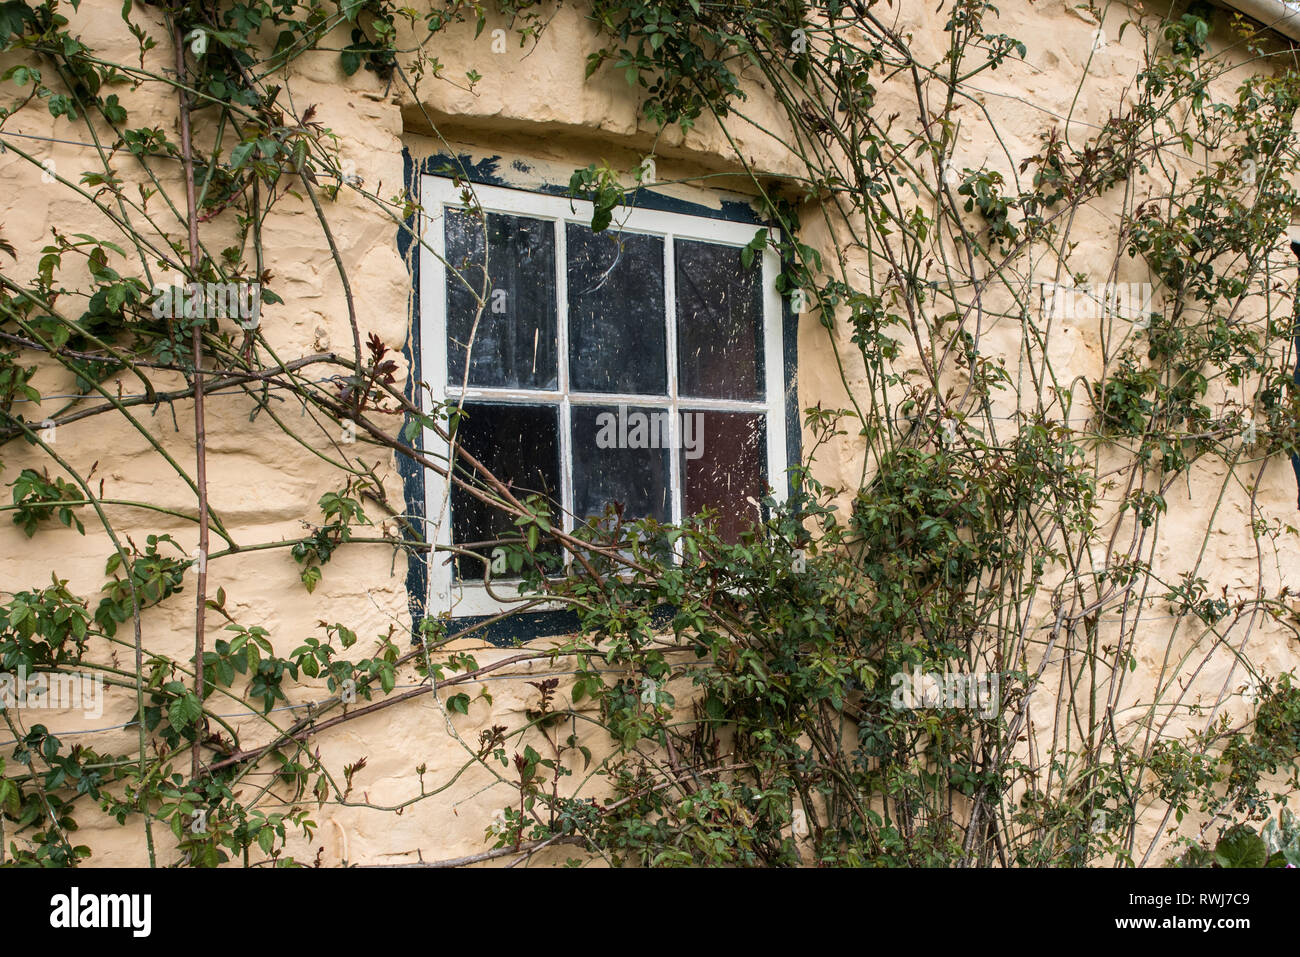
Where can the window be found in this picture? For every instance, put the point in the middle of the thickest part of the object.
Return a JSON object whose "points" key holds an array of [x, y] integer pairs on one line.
{"points": [[642, 364]]}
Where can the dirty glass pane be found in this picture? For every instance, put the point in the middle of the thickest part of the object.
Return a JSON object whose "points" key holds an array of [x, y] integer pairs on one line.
{"points": [[515, 344], [719, 322], [520, 445], [620, 454], [724, 457], [616, 312]]}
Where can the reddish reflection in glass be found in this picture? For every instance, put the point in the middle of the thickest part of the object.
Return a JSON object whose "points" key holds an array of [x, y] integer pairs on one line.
{"points": [[728, 473]]}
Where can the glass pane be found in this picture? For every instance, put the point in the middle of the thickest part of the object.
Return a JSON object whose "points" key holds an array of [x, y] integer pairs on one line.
{"points": [[617, 335], [724, 457], [719, 322], [515, 344], [520, 445], [620, 454]]}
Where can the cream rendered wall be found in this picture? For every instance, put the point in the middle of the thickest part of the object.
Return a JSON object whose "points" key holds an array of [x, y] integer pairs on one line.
{"points": [[535, 106]]}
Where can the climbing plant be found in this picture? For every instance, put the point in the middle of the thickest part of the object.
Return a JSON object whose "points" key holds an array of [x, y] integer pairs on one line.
{"points": [[724, 702]]}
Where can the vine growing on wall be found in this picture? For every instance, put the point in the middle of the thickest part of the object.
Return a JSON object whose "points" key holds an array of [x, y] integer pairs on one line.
{"points": [[1009, 516]]}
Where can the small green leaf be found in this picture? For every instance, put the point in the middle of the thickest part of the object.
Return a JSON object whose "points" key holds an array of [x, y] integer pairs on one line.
{"points": [[1241, 847]]}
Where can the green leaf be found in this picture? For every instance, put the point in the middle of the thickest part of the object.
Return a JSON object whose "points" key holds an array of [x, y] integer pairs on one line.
{"points": [[114, 112], [240, 154], [184, 711], [1241, 847], [14, 16], [310, 578]]}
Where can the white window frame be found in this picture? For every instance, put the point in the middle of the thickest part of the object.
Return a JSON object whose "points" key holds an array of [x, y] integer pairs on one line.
{"points": [[471, 598]]}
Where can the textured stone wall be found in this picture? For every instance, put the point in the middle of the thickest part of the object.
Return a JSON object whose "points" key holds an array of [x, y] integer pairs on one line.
{"points": [[533, 106]]}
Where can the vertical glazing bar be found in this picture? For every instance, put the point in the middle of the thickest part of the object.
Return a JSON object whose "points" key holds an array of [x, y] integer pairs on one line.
{"points": [[675, 490], [562, 347], [774, 375]]}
